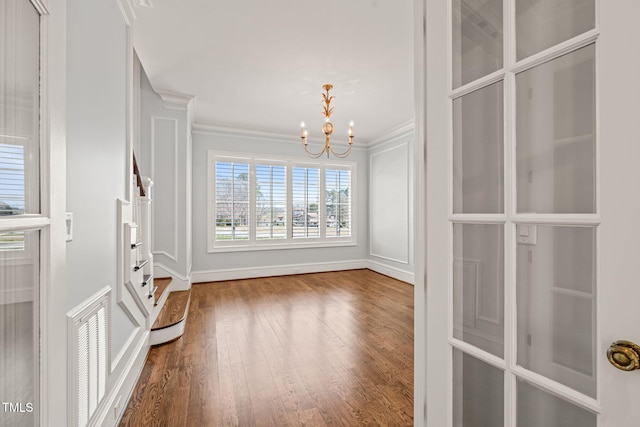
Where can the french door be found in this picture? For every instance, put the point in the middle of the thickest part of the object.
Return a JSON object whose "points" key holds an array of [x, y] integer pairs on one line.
{"points": [[531, 246], [32, 198]]}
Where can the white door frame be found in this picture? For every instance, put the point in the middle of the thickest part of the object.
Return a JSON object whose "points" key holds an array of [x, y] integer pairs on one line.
{"points": [[53, 374], [419, 215]]}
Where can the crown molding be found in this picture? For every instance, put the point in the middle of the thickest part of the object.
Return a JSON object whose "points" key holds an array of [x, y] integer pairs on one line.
{"points": [[175, 100], [244, 131], [227, 129], [401, 131], [212, 128]]}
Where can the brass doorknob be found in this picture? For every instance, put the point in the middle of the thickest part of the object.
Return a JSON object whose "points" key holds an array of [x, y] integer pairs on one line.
{"points": [[624, 355]]}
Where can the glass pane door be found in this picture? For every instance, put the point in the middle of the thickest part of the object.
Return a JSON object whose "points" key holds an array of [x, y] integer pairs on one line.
{"points": [[19, 320], [523, 213], [19, 195]]}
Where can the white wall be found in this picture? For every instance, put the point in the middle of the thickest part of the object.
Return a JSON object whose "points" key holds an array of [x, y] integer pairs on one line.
{"points": [[165, 157], [391, 206], [98, 167], [96, 151], [212, 266]]}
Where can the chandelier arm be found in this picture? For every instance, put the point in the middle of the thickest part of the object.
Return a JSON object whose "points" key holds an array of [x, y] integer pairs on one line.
{"points": [[343, 154], [314, 155]]}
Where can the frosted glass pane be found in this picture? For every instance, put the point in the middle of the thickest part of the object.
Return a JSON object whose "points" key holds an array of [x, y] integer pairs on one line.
{"points": [[537, 408], [19, 108], [478, 147], [541, 24], [556, 300], [478, 392], [555, 131], [477, 39], [19, 346], [478, 286]]}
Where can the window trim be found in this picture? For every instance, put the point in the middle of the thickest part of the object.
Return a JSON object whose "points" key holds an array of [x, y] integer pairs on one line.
{"points": [[253, 244]]}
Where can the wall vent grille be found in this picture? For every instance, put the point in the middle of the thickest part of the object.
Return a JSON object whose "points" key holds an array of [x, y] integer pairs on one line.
{"points": [[88, 333]]}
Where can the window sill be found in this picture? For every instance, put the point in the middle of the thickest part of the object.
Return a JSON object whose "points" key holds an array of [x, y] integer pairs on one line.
{"points": [[316, 244]]}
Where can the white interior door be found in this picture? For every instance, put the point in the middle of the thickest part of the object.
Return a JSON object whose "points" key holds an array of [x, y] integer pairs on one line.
{"points": [[531, 260]]}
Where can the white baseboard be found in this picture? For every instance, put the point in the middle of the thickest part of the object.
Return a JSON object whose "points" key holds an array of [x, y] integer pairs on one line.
{"points": [[276, 270], [283, 270], [179, 282], [118, 396], [396, 273]]}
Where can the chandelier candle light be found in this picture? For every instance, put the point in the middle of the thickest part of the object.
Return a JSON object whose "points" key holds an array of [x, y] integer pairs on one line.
{"points": [[327, 128]]}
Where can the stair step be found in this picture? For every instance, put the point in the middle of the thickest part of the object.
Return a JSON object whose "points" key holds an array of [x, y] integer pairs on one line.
{"points": [[162, 284], [174, 311]]}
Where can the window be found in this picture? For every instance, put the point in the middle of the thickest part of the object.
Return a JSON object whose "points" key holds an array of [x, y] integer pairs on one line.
{"points": [[305, 184], [12, 189], [232, 201], [338, 202], [257, 202], [271, 201]]}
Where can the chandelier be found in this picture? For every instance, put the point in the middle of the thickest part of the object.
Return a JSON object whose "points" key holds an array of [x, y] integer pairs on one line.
{"points": [[327, 129]]}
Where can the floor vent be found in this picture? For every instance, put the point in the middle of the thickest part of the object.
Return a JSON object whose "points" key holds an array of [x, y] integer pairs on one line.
{"points": [[88, 329]]}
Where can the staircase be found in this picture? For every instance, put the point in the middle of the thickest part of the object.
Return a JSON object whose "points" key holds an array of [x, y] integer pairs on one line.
{"points": [[169, 313], [166, 310]]}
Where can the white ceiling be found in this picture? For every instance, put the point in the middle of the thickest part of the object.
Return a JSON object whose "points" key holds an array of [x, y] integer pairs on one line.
{"points": [[261, 64]]}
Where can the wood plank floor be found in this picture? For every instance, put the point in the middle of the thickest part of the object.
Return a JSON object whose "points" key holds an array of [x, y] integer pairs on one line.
{"points": [[325, 349]]}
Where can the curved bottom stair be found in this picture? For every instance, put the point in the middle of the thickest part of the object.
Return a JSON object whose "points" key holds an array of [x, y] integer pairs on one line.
{"points": [[171, 320]]}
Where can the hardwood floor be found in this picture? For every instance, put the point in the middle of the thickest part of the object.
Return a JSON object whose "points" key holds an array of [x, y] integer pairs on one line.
{"points": [[324, 349]]}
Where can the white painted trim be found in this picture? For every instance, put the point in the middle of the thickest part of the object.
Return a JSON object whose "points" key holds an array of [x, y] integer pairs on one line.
{"points": [[252, 244], [40, 6], [179, 283], [397, 273], [175, 100], [278, 135], [79, 314], [114, 403], [176, 185], [127, 301], [128, 11], [166, 254], [276, 270], [419, 214], [235, 130], [23, 222], [371, 156], [399, 132], [371, 254], [115, 361], [53, 283]]}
